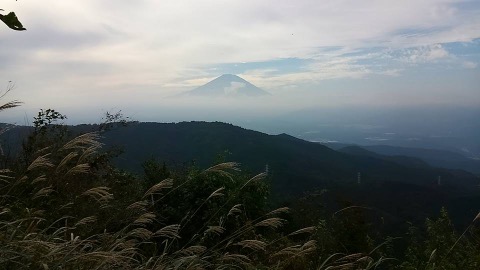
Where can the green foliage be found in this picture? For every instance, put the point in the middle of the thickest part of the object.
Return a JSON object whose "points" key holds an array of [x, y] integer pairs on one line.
{"points": [[45, 119], [234, 198], [440, 247], [48, 129], [113, 120], [154, 172], [12, 21], [48, 134]]}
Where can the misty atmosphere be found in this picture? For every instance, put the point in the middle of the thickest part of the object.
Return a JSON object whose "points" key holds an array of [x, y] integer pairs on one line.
{"points": [[240, 135]]}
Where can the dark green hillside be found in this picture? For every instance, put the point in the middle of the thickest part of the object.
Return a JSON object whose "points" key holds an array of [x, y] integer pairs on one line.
{"points": [[406, 161], [433, 157], [296, 166], [437, 158]]}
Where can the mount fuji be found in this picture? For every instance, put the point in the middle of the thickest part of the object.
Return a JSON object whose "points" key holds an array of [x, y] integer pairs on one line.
{"points": [[227, 85]]}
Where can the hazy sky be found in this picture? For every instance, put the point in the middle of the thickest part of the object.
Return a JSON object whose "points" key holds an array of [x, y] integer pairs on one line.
{"points": [[91, 55]]}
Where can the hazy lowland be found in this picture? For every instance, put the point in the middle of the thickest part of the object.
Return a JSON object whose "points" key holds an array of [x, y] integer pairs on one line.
{"points": [[272, 147]]}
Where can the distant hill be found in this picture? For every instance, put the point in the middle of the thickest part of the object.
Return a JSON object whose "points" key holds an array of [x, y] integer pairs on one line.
{"points": [[433, 157], [227, 85], [407, 161], [437, 158]]}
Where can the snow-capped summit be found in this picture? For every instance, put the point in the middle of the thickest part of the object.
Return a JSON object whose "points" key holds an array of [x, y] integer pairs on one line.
{"points": [[227, 85]]}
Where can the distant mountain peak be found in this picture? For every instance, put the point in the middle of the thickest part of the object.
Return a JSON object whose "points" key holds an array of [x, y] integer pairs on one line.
{"points": [[229, 76], [227, 85]]}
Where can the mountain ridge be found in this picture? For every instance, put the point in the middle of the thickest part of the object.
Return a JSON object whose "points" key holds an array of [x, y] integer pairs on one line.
{"points": [[434, 157], [297, 165]]}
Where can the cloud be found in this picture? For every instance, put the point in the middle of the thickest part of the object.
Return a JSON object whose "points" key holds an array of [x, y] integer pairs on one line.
{"points": [[97, 48], [424, 54], [469, 64], [233, 88]]}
